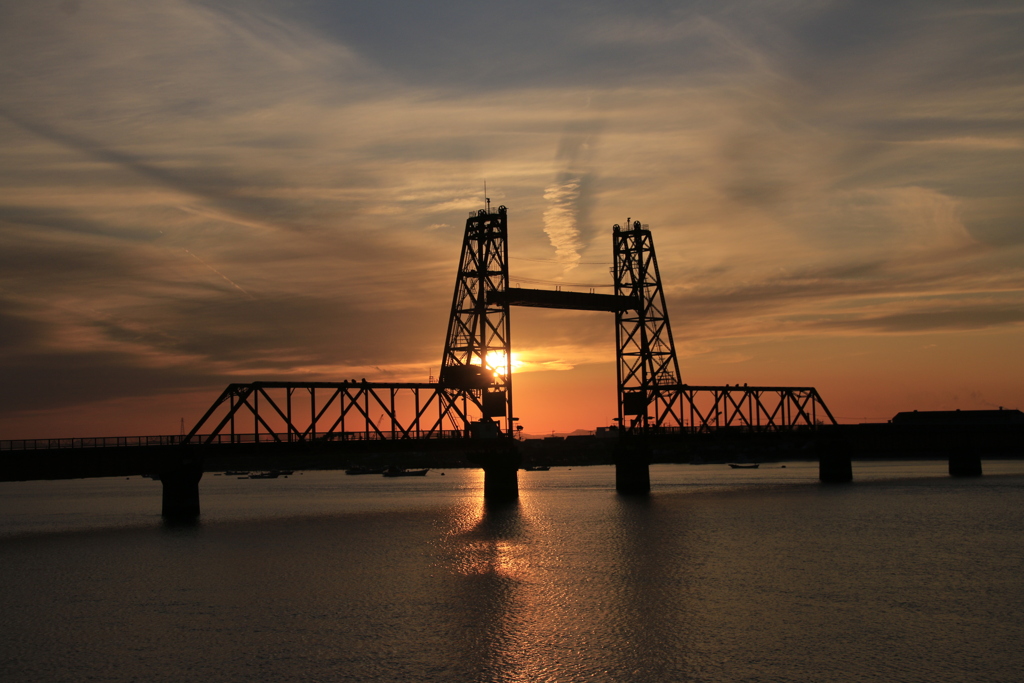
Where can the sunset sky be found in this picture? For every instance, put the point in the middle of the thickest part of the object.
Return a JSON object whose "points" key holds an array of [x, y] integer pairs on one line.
{"points": [[196, 193]]}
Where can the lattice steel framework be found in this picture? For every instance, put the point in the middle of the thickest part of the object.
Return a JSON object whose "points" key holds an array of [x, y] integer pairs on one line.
{"points": [[707, 408], [647, 368], [652, 397], [329, 411], [474, 389], [477, 364]]}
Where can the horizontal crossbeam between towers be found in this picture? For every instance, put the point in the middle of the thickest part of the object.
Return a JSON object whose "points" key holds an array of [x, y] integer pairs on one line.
{"points": [[575, 301]]}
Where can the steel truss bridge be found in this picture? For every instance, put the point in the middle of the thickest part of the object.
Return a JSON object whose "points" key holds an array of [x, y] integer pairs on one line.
{"points": [[472, 396]]}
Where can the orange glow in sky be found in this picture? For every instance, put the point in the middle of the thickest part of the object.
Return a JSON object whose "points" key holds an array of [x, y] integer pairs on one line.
{"points": [[193, 194]]}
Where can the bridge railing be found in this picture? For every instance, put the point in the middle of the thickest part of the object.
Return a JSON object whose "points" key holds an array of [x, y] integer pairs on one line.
{"points": [[89, 442], [218, 439], [292, 437], [698, 429]]}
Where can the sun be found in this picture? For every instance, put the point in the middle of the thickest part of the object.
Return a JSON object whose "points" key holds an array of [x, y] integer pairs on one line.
{"points": [[496, 361]]}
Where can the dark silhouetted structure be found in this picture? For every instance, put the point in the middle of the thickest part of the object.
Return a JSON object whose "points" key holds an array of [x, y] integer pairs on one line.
{"points": [[960, 431], [472, 397], [959, 417]]}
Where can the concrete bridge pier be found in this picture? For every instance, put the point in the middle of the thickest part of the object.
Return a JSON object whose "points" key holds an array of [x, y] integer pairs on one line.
{"points": [[181, 489], [501, 483], [632, 468], [964, 465], [964, 459], [835, 464], [835, 468], [501, 473]]}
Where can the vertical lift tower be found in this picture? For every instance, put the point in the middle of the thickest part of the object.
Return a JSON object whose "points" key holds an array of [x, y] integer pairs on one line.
{"points": [[477, 368], [477, 365]]}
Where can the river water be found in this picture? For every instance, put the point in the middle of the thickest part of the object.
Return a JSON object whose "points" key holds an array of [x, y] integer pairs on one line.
{"points": [[720, 575]]}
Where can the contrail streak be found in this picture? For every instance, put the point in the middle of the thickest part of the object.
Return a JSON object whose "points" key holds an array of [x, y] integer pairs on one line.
{"points": [[560, 220], [226, 278]]}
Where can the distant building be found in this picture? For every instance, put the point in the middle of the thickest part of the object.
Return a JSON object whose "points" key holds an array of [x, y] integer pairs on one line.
{"points": [[959, 417]]}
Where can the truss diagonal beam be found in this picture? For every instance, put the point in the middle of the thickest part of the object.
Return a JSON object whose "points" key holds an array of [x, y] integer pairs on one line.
{"points": [[347, 411], [761, 408]]}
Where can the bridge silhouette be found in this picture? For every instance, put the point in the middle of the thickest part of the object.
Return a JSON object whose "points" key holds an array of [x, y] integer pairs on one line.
{"points": [[473, 398], [471, 401]]}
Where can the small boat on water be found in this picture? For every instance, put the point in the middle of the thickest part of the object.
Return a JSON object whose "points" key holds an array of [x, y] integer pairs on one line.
{"points": [[236, 473], [363, 469], [272, 474], [399, 472], [744, 465]]}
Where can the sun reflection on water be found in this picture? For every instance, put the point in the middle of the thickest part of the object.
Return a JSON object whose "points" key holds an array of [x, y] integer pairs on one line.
{"points": [[492, 550], [489, 540]]}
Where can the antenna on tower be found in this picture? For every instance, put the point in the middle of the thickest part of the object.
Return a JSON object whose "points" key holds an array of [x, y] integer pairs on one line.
{"points": [[487, 200]]}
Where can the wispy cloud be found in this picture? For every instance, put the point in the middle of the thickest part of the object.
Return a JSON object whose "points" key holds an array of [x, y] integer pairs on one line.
{"points": [[560, 219], [808, 170], [568, 200]]}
